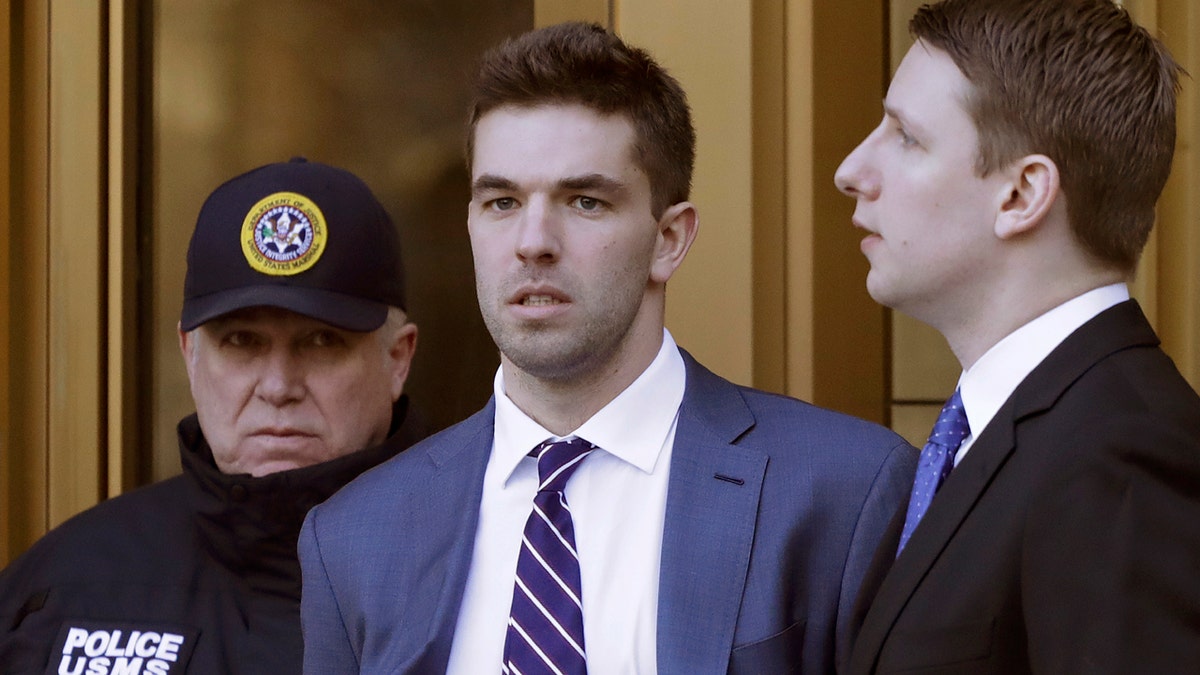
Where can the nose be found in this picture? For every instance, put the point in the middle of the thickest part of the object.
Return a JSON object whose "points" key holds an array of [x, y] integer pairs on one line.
{"points": [[281, 379], [854, 177], [538, 239]]}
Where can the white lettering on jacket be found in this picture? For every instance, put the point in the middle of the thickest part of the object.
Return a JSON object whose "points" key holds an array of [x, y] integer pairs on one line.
{"points": [[117, 652]]}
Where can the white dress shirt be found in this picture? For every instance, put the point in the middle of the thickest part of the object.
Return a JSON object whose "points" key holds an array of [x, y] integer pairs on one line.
{"points": [[618, 499], [987, 384]]}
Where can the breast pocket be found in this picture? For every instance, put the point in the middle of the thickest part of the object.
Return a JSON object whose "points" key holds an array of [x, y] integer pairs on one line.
{"points": [[962, 648], [776, 655]]}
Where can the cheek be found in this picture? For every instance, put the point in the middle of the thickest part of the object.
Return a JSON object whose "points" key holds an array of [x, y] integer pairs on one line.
{"points": [[361, 384], [488, 266], [633, 252], [360, 405], [211, 389], [219, 404], [918, 211], [479, 252], [221, 388]]}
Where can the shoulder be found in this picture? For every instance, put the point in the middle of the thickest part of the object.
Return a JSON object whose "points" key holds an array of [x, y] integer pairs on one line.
{"points": [[776, 413], [111, 539], [1144, 378], [452, 449], [807, 447], [1131, 407], [1111, 363], [130, 516], [772, 418], [1127, 387], [830, 451], [405, 509]]}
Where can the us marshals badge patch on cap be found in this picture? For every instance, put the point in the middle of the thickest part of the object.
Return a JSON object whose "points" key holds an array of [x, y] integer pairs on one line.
{"points": [[283, 234], [87, 647]]}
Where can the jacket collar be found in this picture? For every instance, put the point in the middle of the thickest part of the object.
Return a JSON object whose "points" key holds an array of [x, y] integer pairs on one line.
{"points": [[250, 525]]}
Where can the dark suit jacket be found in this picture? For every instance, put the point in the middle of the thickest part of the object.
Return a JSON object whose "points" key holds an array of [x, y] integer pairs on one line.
{"points": [[774, 508], [1068, 538]]}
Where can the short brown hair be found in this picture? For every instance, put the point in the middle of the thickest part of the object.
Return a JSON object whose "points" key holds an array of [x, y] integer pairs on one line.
{"points": [[1078, 81], [586, 64]]}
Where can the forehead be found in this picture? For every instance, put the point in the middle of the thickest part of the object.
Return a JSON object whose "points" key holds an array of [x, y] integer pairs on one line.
{"points": [[554, 140], [930, 91]]}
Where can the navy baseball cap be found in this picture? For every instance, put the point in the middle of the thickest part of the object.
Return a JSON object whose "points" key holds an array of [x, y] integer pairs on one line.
{"points": [[298, 235]]}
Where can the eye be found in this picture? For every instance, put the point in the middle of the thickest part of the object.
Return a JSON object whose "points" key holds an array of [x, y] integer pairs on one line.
{"points": [[906, 139], [326, 338], [585, 203], [502, 204], [241, 339]]}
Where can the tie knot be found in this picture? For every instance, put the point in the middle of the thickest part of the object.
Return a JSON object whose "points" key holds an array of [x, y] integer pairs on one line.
{"points": [[557, 461], [951, 427]]}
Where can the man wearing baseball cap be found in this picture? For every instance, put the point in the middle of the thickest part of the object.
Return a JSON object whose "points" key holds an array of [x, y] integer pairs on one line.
{"points": [[297, 347]]}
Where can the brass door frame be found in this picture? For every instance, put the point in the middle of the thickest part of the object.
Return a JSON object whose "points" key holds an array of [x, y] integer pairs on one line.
{"points": [[69, 365]]}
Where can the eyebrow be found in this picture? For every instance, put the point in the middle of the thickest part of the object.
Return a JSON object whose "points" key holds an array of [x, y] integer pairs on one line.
{"points": [[492, 182], [906, 122], [591, 181]]}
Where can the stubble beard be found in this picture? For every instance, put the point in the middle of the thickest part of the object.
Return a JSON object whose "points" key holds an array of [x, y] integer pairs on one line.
{"points": [[565, 355]]}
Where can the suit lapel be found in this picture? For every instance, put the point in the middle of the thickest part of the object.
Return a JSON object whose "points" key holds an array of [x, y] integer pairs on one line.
{"points": [[1117, 328], [953, 503], [711, 513], [452, 501]]}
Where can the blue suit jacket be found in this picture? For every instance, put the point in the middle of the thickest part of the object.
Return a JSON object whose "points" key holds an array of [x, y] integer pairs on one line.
{"points": [[774, 508]]}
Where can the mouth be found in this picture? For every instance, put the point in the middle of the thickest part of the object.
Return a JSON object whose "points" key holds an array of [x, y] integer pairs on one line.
{"points": [[539, 301], [859, 224], [868, 242], [538, 295], [281, 432], [282, 444]]}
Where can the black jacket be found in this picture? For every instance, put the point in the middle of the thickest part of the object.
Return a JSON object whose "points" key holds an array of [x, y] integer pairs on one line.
{"points": [[195, 574], [1068, 538]]}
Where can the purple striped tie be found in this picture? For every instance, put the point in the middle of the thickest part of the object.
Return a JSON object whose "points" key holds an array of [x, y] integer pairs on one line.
{"points": [[545, 624]]}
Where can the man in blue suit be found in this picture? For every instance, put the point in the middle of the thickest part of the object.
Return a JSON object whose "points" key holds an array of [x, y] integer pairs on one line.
{"points": [[692, 525]]}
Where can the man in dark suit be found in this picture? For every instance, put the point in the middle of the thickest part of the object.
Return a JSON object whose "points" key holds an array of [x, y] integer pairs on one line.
{"points": [[669, 521], [1008, 193]]}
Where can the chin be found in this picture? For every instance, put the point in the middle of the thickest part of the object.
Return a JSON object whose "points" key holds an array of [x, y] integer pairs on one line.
{"points": [[275, 466], [278, 462], [877, 289]]}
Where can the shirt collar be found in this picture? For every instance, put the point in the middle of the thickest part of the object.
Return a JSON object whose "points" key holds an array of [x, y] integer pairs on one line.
{"points": [[987, 384], [632, 427]]}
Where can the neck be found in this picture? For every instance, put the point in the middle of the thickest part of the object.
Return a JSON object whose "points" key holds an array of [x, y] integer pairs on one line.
{"points": [[1007, 309]]}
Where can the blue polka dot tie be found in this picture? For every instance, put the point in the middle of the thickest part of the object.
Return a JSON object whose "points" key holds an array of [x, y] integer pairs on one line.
{"points": [[937, 458], [545, 623]]}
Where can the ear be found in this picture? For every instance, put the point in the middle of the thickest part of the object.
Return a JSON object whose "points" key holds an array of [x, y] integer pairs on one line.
{"points": [[677, 230], [187, 346], [1030, 194], [400, 353]]}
